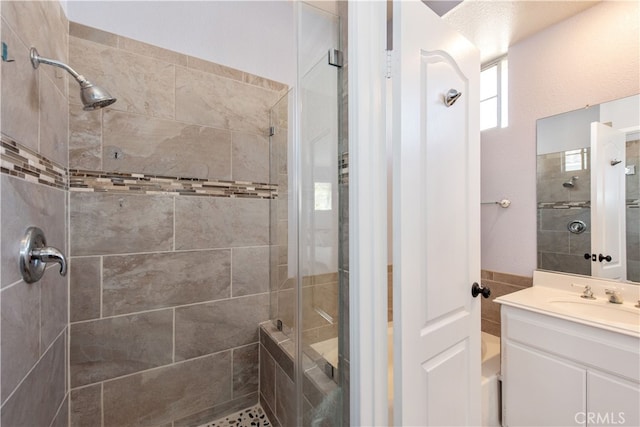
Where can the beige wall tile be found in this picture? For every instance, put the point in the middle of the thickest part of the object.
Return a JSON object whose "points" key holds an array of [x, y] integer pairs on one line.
{"points": [[92, 34], [264, 83], [20, 333], [84, 283], [213, 68], [113, 223], [42, 24], [285, 398], [172, 392], [39, 396], [85, 138], [86, 406], [62, 417], [53, 309], [210, 100], [112, 347], [25, 204], [245, 370], [141, 84], [218, 411], [250, 270], [54, 122], [142, 282], [221, 222], [20, 93], [207, 328], [152, 51], [164, 147], [250, 157], [267, 377]]}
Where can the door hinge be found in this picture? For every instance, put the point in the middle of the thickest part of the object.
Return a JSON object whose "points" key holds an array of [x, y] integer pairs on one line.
{"points": [[335, 58], [388, 72], [272, 130]]}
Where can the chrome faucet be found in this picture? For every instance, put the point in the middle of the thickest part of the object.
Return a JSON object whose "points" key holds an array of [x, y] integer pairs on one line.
{"points": [[587, 293], [614, 296]]}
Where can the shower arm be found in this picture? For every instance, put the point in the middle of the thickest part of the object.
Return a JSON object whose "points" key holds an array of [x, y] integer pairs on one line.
{"points": [[36, 60]]}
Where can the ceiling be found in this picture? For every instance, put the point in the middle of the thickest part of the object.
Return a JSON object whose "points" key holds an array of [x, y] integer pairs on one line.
{"points": [[494, 25]]}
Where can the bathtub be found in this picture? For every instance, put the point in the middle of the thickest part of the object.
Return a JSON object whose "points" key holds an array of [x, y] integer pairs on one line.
{"points": [[490, 372]]}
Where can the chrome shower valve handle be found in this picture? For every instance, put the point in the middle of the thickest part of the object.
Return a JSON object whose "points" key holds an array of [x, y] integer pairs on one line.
{"points": [[35, 255]]}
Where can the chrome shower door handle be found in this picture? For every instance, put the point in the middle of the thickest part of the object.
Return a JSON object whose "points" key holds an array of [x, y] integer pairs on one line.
{"points": [[35, 255]]}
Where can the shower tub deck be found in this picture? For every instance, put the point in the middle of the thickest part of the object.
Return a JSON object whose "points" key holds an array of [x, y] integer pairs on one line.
{"points": [[490, 384]]}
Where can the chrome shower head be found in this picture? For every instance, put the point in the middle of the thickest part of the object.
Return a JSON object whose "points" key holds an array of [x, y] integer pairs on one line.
{"points": [[93, 97], [571, 183]]}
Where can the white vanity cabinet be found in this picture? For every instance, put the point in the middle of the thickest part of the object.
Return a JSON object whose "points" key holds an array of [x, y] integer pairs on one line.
{"points": [[557, 372]]}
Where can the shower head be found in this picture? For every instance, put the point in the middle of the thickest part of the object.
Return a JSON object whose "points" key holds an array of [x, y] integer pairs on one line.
{"points": [[93, 97], [571, 183]]}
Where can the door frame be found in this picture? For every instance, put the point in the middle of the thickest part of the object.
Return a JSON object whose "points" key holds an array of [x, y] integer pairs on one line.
{"points": [[367, 68]]}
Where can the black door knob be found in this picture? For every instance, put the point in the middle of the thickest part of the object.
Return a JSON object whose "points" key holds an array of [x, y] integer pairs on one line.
{"points": [[606, 258], [479, 289]]}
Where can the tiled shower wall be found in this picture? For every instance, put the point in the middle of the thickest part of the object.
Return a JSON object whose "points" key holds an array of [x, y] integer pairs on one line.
{"points": [[559, 249], [33, 387], [167, 288]]}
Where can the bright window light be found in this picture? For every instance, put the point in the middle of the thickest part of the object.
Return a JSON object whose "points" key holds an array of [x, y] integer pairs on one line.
{"points": [[576, 160], [322, 196], [494, 84]]}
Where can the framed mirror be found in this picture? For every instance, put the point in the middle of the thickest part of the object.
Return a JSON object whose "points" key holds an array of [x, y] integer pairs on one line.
{"points": [[588, 191]]}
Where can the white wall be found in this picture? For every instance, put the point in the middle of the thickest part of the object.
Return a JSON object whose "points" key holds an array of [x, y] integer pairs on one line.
{"points": [[252, 36], [590, 58]]}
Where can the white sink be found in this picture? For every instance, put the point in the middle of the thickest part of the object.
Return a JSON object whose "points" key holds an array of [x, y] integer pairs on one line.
{"points": [[601, 310]]}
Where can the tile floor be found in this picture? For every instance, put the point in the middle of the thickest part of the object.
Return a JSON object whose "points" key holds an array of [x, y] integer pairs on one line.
{"points": [[250, 417]]}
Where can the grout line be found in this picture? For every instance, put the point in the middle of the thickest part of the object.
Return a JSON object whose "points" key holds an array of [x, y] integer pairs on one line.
{"points": [[174, 224], [231, 273], [102, 404], [101, 140], [66, 399], [155, 368], [231, 372], [151, 310], [33, 367], [169, 251], [173, 357], [101, 284]]}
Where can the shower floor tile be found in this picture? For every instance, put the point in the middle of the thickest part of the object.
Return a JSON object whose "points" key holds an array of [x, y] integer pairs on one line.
{"points": [[250, 417]]}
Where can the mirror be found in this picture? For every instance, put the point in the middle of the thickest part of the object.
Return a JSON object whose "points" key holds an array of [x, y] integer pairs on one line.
{"points": [[588, 191]]}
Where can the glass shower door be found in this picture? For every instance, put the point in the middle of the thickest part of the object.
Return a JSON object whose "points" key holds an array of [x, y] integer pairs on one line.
{"points": [[319, 315]]}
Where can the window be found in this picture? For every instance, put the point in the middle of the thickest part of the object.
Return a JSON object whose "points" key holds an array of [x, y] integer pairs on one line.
{"points": [[494, 79], [322, 196], [575, 160]]}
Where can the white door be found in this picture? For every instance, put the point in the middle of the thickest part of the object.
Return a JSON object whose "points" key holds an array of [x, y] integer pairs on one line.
{"points": [[436, 221], [608, 222]]}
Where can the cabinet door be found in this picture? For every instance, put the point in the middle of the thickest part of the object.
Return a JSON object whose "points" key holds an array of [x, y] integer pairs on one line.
{"points": [[539, 390], [612, 401]]}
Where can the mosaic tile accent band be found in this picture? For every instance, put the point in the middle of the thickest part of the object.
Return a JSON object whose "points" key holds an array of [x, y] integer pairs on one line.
{"points": [[564, 205], [343, 169], [19, 161], [133, 183], [630, 203]]}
